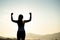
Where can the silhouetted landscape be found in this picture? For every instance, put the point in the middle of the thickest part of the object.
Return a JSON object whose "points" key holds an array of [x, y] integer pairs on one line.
{"points": [[31, 36]]}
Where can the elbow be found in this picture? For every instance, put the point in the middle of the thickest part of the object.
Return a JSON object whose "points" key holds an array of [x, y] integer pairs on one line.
{"points": [[30, 20], [12, 20]]}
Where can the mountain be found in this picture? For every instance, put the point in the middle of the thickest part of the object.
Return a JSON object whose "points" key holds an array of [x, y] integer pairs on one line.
{"points": [[55, 36], [30, 36]]}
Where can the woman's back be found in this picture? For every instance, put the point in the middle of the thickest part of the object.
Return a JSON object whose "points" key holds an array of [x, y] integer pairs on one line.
{"points": [[20, 25]]}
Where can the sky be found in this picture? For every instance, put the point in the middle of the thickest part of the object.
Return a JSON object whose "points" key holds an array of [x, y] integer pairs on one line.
{"points": [[45, 16]]}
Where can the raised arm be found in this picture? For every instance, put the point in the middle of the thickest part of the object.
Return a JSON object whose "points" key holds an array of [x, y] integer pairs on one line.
{"points": [[29, 18], [12, 18]]}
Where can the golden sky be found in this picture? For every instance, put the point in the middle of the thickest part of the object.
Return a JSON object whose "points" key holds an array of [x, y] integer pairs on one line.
{"points": [[45, 16]]}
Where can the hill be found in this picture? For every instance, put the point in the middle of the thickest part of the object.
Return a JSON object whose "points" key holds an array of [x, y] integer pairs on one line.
{"points": [[31, 36]]}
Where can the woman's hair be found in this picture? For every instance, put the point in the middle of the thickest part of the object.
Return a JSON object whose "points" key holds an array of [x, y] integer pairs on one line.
{"points": [[20, 17]]}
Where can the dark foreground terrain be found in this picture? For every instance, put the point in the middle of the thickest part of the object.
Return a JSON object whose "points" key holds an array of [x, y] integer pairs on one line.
{"points": [[30, 36]]}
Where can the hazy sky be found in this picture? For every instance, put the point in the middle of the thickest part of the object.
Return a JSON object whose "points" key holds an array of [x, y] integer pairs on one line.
{"points": [[45, 16]]}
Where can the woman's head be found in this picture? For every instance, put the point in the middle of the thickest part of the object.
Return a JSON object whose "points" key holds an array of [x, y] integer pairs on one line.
{"points": [[20, 17]]}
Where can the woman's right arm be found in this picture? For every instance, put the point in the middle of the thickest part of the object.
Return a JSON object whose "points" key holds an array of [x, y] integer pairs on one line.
{"points": [[29, 18]]}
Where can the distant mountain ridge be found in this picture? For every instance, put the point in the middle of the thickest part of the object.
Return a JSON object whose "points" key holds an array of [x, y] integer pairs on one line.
{"points": [[45, 37], [30, 36]]}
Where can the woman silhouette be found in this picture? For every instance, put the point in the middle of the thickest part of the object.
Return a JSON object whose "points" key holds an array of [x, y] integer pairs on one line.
{"points": [[21, 32]]}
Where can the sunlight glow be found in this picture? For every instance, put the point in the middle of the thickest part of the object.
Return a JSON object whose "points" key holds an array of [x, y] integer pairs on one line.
{"points": [[45, 17]]}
